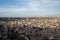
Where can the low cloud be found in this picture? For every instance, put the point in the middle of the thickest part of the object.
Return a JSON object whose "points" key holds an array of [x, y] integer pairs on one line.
{"points": [[33, 8]]}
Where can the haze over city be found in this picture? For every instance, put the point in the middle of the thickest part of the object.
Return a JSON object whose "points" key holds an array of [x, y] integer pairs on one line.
{"points": [[22, 8], [29, 19]]}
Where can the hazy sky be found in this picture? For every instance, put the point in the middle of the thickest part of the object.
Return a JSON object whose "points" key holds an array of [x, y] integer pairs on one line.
{"points": [[21, 8]]}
